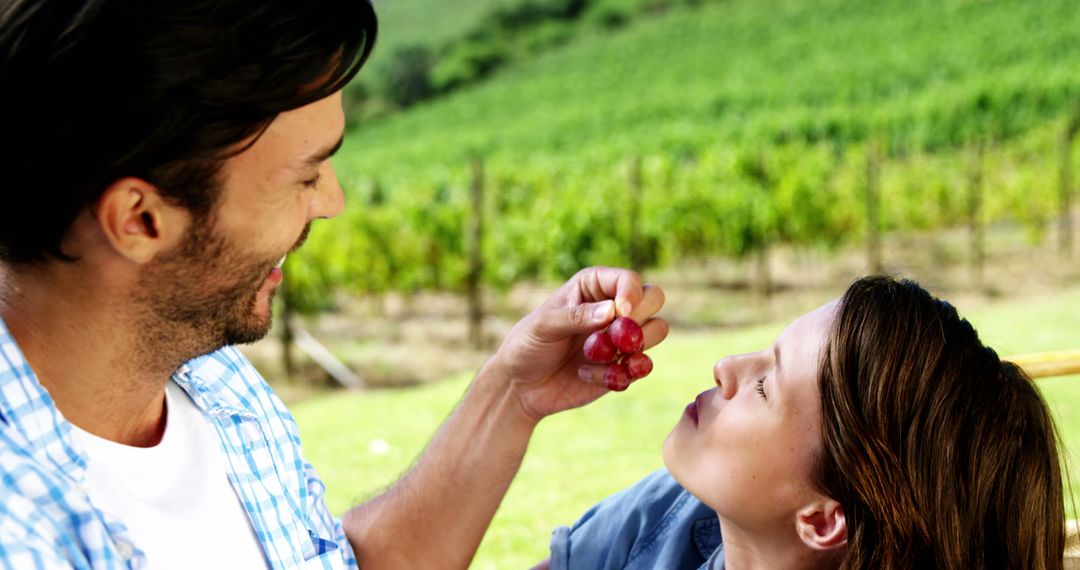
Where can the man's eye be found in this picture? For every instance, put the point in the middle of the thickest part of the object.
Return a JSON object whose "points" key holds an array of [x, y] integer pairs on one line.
{"points": [[313, 182], [760, 388]]}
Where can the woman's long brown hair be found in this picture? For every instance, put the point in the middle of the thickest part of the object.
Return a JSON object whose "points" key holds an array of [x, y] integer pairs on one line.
{"points": [[942, 455]]}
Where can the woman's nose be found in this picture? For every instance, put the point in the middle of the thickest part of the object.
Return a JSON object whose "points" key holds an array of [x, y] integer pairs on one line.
{"points": [[725, 376]]}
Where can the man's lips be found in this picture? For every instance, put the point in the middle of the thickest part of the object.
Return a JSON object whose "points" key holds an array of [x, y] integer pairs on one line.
{"points": [[275, 275], [274, 278]]}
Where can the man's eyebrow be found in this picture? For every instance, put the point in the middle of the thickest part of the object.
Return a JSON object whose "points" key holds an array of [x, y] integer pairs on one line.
{"points": [[322, 155]]}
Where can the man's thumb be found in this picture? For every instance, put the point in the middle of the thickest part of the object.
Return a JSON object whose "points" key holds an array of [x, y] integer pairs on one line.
{"points": [[578, 319]]}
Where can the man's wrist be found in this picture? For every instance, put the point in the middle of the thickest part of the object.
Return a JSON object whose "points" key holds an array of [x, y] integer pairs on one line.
{"points": [[496, 380]]}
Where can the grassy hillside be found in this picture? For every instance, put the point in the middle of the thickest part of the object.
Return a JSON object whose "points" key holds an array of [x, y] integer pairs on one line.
{"points": [[924, 73], [430, 22], [426, 22], [362, 442]]}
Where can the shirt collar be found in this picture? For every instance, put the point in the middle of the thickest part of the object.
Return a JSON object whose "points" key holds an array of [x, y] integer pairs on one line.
{"points": [[706, 532], [28, 412], [218, 382], [27, 409]]}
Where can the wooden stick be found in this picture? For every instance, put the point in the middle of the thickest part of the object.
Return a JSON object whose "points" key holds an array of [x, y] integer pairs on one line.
{"points": [[326, 359], [1048, 364]]}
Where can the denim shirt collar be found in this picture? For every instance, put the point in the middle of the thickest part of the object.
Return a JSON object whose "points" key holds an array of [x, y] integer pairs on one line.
{"points": [[706, 533]]}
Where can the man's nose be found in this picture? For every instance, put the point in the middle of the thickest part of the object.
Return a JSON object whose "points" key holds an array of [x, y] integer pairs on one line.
{"points": [[329, 199]]}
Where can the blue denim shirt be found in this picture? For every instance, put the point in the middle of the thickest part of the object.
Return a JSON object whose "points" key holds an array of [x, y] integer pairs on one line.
{"points": [[655, 524]]}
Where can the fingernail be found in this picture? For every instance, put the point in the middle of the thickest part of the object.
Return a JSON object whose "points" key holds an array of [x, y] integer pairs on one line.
{"points": [[603, 311], [625, 309], [585, 373]]}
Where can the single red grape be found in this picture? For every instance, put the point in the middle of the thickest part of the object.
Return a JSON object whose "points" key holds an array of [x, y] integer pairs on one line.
{"points": [[639, 365], [627, 335], [599, 348], [616, 377]]}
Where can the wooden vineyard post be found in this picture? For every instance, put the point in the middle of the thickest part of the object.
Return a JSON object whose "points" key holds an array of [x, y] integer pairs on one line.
{"points": [[873, 225], [637, 261], [763, 277], [288, 337], [376, 198], [476, 258], [766, 183], [976, 231], [1065, 239]]}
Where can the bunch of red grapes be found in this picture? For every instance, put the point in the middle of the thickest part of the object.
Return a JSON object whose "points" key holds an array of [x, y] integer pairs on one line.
{"points": [[619, 346]]}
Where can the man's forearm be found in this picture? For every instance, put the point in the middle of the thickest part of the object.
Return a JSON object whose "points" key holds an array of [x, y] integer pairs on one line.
{"points": [[436, 515]]}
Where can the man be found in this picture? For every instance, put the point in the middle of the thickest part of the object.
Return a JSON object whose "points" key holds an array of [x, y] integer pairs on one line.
{"points": [[163, 158]]}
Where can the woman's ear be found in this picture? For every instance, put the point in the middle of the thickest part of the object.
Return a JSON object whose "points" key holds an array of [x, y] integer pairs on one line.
{"points": [[821, 525]]}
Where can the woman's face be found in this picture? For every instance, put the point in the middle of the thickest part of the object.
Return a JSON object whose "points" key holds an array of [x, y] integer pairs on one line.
{"points": [[746, 447]]}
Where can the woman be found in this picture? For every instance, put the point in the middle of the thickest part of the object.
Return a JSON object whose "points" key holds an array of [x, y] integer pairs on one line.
{"points": [[877, 432]]}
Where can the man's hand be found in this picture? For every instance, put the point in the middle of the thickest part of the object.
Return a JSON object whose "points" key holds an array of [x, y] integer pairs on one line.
{"points": [[541, 357], [436, 515]]}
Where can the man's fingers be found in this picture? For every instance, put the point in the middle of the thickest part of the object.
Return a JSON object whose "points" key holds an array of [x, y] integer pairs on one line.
{"points": [[622, 285], [592, 373], [651, 302], [554, 323], [656, 330], [561, 322]]}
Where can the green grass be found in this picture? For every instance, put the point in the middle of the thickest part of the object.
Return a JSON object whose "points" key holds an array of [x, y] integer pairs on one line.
{"points": [[579, 457]]}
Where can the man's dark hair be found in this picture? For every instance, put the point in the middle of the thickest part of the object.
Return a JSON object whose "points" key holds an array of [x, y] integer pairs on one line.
{"points": [[163, 90]]}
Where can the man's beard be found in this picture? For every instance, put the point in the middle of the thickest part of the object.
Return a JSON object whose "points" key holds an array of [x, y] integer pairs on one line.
{"points": [[204, 296]]}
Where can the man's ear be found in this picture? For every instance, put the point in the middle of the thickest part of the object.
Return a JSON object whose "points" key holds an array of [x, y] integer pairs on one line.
{"points": [[821, 525], [137, 221]]}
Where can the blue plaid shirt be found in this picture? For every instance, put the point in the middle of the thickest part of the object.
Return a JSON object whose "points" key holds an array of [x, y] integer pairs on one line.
{"points": [[47, 520]]}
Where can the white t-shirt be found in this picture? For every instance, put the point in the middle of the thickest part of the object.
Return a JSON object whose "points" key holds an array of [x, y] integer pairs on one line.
{"points": [[175, 497]]}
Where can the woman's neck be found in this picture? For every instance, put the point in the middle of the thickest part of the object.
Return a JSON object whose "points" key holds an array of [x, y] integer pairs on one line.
{"points": [[779, 548]]}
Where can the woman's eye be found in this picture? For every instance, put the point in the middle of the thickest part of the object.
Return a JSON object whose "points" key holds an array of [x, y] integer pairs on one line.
{"points": [[313, 182], [760, 388]]}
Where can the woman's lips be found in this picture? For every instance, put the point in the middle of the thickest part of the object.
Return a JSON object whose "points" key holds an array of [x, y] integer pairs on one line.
{"points": [[693, 407], [691, 411]]}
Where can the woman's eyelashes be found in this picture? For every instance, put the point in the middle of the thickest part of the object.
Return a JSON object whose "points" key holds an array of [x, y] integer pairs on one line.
{"points": [[760, 388], [313, 182]]}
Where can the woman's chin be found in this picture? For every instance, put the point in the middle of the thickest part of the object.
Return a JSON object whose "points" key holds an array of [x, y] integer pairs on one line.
{"points": [[668, 450]]}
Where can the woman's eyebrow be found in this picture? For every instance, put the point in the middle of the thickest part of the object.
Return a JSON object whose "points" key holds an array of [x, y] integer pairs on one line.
{"points": [[776, 368]]}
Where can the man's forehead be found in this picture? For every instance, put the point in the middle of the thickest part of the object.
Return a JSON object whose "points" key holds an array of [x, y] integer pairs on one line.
{"points": [[296, 139]]}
